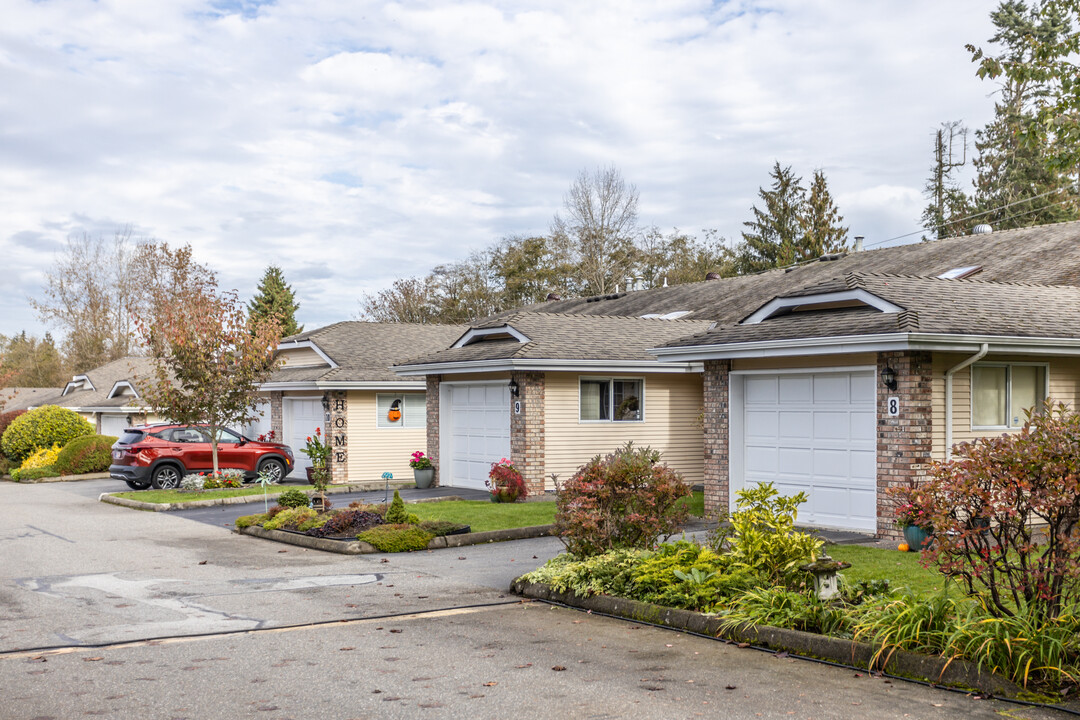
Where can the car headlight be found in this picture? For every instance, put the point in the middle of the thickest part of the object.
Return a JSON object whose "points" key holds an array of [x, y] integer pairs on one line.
{"points": [[288, 451]]}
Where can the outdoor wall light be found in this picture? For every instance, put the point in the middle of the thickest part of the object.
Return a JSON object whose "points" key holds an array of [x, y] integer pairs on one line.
{"points": [[514, 388], [888, 376]]}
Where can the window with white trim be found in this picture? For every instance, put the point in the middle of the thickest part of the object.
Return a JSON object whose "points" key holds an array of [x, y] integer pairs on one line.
{"points": [[611, 399], [1001, 393], [410, 410]]}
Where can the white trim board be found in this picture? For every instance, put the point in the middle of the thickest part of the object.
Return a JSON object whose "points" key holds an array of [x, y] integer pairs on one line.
{"points": [[508, 365], [775, 305]]}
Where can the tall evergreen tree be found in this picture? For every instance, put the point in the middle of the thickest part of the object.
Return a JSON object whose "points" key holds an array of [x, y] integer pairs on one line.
{"points": [[772, 237], [820, 221], [1016, 185], [948, 213], [274, 299]]}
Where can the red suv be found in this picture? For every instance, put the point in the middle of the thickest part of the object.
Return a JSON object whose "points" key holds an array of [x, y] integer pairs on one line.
{"points": [[160, 455]]}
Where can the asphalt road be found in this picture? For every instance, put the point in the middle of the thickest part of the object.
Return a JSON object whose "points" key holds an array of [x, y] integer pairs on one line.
{"points": [[151, 615]]}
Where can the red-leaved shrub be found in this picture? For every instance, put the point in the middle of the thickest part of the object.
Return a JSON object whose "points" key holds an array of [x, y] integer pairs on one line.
{"points": [[7, 417], [624, 500], [1005, 514]]}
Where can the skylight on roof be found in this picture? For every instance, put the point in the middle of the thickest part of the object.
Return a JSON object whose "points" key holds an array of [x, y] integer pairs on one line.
{"points": [[666, 316], [960, 272]]}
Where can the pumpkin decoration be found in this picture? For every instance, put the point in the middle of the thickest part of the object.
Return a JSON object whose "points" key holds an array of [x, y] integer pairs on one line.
{"points": [[395, 411], [903, 547]]}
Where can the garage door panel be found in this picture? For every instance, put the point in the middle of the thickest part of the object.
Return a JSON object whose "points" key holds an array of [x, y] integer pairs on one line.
{"points": [[761, 423], [832, 389], [864, 388], [861, 426], [795, 425], [831, 425], [864, 465], [831, 464], [761, 460], [793, 462], [760, 389], [795, 389]]}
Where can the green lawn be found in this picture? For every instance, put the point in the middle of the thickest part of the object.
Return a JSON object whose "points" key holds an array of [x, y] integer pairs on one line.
{"points": [[695, 503], [175, 496], [901, 569], [484, 515]]}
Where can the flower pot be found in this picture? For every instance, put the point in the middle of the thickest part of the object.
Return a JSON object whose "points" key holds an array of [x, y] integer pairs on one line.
{"points": [[424, 477], [917, 537], [310, 475]]}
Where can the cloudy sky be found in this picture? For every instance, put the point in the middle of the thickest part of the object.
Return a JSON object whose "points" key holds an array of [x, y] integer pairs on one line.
{"points": [[354, 142]]}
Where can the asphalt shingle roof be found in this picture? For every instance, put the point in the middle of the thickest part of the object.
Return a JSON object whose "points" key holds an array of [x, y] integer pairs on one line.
{"points": [[570, 337], [930, 305], [364, 351], [131, 369]]}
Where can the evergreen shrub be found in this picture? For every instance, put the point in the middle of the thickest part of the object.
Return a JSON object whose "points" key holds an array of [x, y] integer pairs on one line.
{"points": [[86, 454], [42, 427]]}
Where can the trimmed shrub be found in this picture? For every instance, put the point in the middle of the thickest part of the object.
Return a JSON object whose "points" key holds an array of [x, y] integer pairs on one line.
{"points": [[41, 428], [86, 454], [248, 520], [293, 498], [624, 500], [396, 538], [396, 514], [19, 474], [5, 464]]}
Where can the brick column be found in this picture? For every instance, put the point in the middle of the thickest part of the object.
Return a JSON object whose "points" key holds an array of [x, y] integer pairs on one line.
{"points": [[904, 442], [336, 433], [527, 429], [715, 424], [276, 422], [432, 407]]}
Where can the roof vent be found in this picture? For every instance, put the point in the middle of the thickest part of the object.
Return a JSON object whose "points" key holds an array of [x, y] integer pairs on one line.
{"points": [[712, 276], [982, 229], [553, 296], [858, 242]]}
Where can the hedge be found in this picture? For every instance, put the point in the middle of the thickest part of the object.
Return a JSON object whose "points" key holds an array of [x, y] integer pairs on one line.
{"points": [[86, 454], [41, 428]]}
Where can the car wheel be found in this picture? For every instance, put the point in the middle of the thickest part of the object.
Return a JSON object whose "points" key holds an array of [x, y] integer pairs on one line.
{"points": [[137, 484], [274, 468], [165, 477]]}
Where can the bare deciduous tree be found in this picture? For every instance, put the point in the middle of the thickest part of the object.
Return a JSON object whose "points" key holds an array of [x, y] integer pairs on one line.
{"points": [[599, 227], [98, 286]]}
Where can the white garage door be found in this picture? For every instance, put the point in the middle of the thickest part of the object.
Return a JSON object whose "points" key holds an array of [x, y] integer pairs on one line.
{"points": [[476, 431], [814, 432], [301, 416], [114, 425]]}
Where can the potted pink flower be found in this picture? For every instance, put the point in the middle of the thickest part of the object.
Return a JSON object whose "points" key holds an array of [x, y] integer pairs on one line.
{"points": [[423, 470]]}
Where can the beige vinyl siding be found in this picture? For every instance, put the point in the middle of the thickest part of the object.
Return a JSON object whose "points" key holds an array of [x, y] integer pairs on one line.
{"points": [[673, 406], [300, 357], [374, 450], [1064, 383], [811, 361]]}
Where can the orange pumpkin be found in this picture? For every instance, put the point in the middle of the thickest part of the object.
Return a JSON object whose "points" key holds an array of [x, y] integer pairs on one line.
{"points": [[395, 411], [903, 547]]}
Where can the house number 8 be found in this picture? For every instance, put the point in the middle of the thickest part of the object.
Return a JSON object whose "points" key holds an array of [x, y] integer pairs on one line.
{"points": [[893, 405]]}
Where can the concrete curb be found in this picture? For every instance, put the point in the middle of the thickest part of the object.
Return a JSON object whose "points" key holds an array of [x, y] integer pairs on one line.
{"points": [[241, 500], [358, 547], [938, 670], [61, 478]]}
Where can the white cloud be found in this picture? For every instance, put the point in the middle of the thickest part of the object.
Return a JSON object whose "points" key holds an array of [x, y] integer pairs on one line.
{"points": [[355, 142]]}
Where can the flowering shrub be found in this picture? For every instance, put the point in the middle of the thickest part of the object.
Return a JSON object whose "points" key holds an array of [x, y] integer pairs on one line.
{"points": [[420, 461], [505, 482], [224, 478], [1006, 514], [267, 437], [624, 500]]}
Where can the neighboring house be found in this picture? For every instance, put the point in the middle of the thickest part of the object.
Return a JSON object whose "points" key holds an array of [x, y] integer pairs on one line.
{"points": [[107, 396], [338, 378], [806, 407], [23, 398], [551, 391]]}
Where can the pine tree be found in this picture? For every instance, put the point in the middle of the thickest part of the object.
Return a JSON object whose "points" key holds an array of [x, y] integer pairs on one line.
{"points": [[820, 222], [774, 234], [274, 298], [1016, 187]]}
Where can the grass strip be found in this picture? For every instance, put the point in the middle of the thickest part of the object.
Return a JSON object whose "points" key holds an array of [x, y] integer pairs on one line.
{"points": [[175, 496], [901, 569], [483, 515]]}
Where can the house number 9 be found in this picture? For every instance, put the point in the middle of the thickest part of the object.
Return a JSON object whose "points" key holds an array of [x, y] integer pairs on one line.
{"points": [[893, 405]]}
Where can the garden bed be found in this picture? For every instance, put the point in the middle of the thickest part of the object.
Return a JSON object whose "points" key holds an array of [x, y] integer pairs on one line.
{"points": [[164, 500], [358, 547]]}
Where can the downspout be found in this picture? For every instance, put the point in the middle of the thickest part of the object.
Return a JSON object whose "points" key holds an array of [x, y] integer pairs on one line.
{"points": [[948, 394]]}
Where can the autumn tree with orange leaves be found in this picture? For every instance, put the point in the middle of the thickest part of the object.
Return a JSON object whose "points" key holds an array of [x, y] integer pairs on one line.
{"points": [[209, 358]]}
